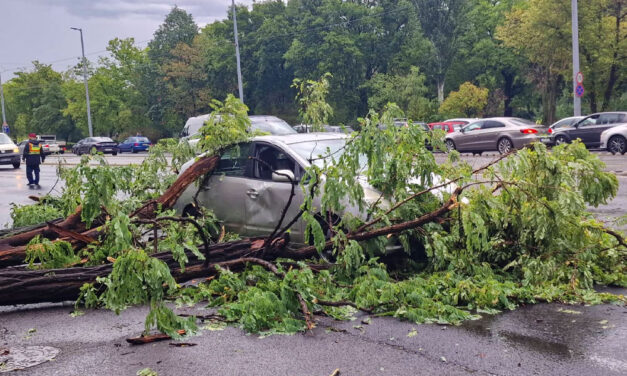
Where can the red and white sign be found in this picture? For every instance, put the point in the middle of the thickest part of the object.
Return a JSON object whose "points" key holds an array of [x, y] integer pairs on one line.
{"points": [[579, 77]]}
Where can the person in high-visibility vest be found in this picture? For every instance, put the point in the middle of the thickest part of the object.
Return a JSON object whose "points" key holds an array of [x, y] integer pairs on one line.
{"points": [[33, 156]]}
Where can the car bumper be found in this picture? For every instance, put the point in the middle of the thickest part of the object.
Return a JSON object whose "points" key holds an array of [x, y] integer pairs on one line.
{"points": [[106, 150], [9, 158], [521, 142]]}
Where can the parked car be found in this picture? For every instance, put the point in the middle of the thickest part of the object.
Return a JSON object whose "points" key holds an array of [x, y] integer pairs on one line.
{"points": [[248, 194], [134, 144], [565, 122], [306, 128], [9, 152], [447, 126], [461, 120], [264, 123], [104, 145], [500, 133], [615, 139], [588, 129]]}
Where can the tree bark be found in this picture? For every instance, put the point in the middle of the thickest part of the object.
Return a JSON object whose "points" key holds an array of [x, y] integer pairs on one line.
{"points": [[13, 248], [24, 286]]}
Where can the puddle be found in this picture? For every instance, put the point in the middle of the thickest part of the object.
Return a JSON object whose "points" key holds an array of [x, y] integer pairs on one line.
{"points": [[16, 358]]}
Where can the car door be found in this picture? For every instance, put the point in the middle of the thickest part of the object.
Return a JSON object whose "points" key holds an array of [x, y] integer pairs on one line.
{"points": [[489, 134], [126, 144], [470, 138], [266, 199], [584, 130], [605, 121], [224, 190]]}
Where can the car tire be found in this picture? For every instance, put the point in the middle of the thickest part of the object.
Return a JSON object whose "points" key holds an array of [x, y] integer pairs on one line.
{"points": [[114, 153], [16, 165], [560, 140], [134, 151], [450, 145], [504, 145], [617, 145]]}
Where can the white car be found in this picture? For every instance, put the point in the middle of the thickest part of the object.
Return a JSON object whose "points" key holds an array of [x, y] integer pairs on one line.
{"points": [[615, 139], [9, 152]]}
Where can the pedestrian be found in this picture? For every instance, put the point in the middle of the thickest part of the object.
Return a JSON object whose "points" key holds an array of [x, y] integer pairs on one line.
{"points": [[33, 156]]}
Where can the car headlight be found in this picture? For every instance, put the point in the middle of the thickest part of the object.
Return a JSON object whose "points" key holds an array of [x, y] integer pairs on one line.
{"points": [[16, 150]]}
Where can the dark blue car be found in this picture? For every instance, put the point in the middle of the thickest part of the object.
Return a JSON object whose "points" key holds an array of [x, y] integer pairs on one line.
{"points": [[134, 144]]}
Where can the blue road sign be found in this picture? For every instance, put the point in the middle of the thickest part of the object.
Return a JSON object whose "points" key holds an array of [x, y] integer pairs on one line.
{"points": [[579, 90]]}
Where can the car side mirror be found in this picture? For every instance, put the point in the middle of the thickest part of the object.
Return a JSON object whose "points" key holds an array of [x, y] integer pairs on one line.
{"points": [[283, 176]]}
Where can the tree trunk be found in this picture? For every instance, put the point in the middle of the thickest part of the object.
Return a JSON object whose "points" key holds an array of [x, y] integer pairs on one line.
{"points": [[24, 286], [13, 248], [440, 89], [613, 77]]}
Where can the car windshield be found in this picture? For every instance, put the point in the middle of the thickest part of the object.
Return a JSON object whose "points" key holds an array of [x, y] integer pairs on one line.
{"points": [[317, 151], [4, 139], [522, 122], [274, 126], [102, 139], [141, 139]]}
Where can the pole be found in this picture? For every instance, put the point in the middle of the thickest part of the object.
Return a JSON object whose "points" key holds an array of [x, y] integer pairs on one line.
{"points": [[575, 24], [4, 116], [91, 132], [239, 69]]}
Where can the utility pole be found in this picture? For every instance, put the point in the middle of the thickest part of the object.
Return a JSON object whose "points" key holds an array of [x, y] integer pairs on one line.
{"points": [[575, 24], [91, 132], [239, 69], [4, 116]]}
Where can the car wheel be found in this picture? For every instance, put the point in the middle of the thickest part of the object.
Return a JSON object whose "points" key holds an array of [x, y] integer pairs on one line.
{"points": [[450, 145], [114, 153], [16, 165], [134, 151], [505, 145], [93, 150], [560, 140], [617, 144]]}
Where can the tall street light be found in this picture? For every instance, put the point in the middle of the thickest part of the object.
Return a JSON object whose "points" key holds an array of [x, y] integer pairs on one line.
{"points": [[91, 132], [577, 77], [239, 69]]}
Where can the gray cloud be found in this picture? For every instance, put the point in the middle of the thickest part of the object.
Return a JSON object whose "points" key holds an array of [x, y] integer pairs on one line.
{"points": [[200, 9]]}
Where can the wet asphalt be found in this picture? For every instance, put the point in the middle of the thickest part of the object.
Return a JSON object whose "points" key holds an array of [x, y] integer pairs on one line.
{"points": [[542, 339]]}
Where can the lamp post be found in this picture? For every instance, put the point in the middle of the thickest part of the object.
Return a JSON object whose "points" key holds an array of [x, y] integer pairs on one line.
{"points": [[239, 70], [575, 25], [91, 132], [4, 117]]}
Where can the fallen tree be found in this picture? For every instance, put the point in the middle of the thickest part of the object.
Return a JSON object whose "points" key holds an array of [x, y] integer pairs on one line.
{"points": [[515, 230]]}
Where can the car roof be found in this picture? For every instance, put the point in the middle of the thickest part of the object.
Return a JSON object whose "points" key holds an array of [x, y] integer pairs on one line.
{"points": [[301, 137]]}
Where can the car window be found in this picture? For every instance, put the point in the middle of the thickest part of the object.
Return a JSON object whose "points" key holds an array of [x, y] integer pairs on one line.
{"points": [[609, 118], [590, 120], [234, 160], [437, 127], [4, 139], [269, 159], [273, 126], [474, 126], [493, 124]]}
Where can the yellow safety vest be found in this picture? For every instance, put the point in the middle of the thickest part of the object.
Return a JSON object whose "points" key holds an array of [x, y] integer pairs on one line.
{"points": [[32, 149]]}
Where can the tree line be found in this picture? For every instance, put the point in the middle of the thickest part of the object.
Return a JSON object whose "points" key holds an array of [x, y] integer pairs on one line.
{"points": [[434, 58]]}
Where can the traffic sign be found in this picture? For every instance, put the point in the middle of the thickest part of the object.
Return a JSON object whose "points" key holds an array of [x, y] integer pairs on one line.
{"points": [[579, 90], [579, 77]]}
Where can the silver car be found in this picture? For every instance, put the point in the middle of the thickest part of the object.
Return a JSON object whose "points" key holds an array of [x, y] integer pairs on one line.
{"points": [[615, 139], [502, 134], [248, 197]]}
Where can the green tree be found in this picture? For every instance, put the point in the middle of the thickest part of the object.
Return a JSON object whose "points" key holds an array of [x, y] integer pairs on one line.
{"points": [[443, 22], [408, 91], [469, 101]]}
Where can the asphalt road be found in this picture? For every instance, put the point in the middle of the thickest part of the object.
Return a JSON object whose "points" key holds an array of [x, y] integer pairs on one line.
{"points": [[542, 339]]}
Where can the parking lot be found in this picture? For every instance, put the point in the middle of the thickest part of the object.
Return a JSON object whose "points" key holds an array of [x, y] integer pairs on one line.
{"points": [[539, 339]]}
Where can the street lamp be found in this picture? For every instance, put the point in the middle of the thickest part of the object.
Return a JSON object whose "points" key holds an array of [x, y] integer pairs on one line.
{"points": [[91, 132]]}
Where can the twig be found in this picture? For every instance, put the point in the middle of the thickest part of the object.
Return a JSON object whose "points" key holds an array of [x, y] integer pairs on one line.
{"points": [[344, 303]]}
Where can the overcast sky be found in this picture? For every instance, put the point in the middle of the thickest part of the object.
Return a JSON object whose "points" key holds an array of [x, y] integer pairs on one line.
{"points": [[40, 29]]}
